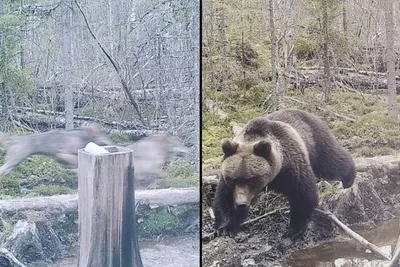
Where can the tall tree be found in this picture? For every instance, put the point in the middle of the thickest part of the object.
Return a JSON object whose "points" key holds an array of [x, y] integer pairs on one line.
{"points": [[390, 59], [2, 76], [67, 64], [224, 46], [274, 57], [327, 69], [344, 16]]}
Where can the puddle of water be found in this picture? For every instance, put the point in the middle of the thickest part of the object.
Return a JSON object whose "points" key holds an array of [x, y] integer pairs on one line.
{"points": [[384, 234], [170, 252]]}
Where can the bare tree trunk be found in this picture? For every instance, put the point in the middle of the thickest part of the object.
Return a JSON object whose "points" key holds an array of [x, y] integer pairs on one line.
{"points": [[390, 59], [274, 59], [327, 69], [67, 75], [224, 53], [344, 16], [196, 36], [242, 42], [116, 67], [3, 88], [22, 29]]}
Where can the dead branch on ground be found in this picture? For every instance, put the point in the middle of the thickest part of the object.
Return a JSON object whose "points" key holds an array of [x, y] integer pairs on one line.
{"points": [[353, 234], [396, 254], [210, 236]]}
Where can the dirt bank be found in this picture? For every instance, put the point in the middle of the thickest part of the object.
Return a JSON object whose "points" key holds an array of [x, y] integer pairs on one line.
{"points": [[373, 198]]}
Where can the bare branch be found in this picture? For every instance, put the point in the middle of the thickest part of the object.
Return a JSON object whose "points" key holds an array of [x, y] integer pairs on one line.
{"points": [[116, 67]]}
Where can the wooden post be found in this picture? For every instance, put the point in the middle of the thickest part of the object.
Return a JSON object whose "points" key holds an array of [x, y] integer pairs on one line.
{"points": [[107, 227]]}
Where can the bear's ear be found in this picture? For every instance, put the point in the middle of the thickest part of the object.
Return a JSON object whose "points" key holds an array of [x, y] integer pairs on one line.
{"points": [[262, 149], [228, 147]]}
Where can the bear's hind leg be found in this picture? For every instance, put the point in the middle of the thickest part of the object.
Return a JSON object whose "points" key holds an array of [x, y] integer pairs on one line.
{"points": [[335, 165]]}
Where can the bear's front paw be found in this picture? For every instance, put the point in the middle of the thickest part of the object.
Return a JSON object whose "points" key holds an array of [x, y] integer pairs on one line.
{"points": [[293, 234], [224, 232]]}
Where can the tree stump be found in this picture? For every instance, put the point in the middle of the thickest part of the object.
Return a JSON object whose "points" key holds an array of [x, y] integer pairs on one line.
{"points": [[107, 227]]}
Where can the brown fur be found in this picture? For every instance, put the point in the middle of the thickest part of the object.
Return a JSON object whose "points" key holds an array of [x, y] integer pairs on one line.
{"points": [[283, 150]]}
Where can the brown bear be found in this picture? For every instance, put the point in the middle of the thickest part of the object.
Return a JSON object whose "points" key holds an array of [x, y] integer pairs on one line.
{"points": [[285, 150]]}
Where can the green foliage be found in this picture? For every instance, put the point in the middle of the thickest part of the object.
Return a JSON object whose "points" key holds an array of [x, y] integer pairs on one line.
{"points": [[12, 78], [66, 228], [8, 187], [6, 230], [373, 151], [120, 139], [305, 47], [367, 132], [43, 168], [181, 173], [42, 171], [165, 221], [328, 189], [96, 111], [50, 190], [157, 223], [214, 130]]}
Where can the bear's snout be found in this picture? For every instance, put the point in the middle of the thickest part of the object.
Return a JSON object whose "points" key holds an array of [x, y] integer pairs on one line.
{"points": [[242, 206], [242, 197]]}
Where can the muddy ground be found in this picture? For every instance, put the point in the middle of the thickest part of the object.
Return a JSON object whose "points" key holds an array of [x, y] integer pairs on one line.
{"points": [[374, 198], [169, 252]]}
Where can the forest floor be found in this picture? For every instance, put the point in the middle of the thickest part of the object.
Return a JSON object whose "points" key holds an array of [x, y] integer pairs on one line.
{"points": [[360, 124], [170, 252], [359, 121]]}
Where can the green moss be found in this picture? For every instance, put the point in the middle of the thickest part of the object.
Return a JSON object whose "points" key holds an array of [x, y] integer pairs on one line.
{"points": [[306, 46], [373, 151], [38, 170], [166, 221], [66, 228], [181, 173], [358, 121], [370, 129], [120, 139], [328, 189], [7, 227], [214, 129], [50, 190], [8, 187]]}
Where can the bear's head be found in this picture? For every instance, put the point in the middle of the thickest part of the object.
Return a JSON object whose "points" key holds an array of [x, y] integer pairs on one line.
{"points": [[247, 168]]}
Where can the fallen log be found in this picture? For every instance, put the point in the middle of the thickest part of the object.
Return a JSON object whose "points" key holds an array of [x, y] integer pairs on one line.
{"points": [[55, 120], [69, 203], [348, 70], [359, 79], [389, 162], [21, 111], [49, 119]]}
